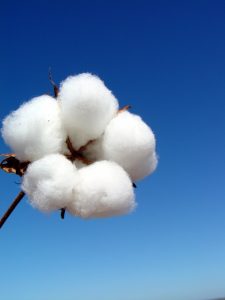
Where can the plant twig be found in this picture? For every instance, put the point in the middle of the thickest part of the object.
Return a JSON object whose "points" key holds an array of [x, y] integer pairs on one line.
{"points": [[125, 108], [11, 208], [55, 87]]}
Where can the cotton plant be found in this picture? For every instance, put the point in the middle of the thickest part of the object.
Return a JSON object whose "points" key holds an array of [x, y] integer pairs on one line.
{"points": [[77, 151]]}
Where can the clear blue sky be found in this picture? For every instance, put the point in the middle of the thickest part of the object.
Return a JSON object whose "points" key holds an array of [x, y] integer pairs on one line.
{"points": [[166, 59]]}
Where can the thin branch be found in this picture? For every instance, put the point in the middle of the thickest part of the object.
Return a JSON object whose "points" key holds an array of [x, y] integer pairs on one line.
{"points": [[125, 108], [11, 208], [55, 87]]}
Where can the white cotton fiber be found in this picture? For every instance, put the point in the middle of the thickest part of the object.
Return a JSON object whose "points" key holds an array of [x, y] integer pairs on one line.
{"points": [[104, 189], [129, 142], [49, 182], [87, 107], [35, 129], [79, 164]]}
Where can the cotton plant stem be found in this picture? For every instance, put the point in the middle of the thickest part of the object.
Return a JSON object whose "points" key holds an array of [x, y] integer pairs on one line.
{"points": [[17, 200]]}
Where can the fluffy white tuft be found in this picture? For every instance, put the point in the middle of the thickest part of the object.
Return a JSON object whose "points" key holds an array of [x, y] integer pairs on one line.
{"points": [[104, 189], [129, 142], [49, 182], [79, 164], [35, 129], [87, 107]]}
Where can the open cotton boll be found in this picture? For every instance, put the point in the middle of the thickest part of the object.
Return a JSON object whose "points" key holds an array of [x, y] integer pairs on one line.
{"points": [[49, 182], [129, 142], [35, 129], [87, 107], [104, 189]]}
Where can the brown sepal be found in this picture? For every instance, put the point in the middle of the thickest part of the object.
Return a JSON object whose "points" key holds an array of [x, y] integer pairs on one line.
{"points": [[12, 165]]}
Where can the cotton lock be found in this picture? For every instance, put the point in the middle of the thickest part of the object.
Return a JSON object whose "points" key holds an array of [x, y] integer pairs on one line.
{"points": [[87, 107], [35, 129], [128, 141], [50, 182], [104, 189]]}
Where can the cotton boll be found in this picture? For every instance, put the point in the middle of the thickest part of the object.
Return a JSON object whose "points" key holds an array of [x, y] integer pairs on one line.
{"points": [[35, 129], [87, 107], [49, 182], [104, 189], [129, 142]]}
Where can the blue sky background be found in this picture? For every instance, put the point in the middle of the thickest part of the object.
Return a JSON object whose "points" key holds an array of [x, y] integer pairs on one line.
{"points": [[166, 59]]}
